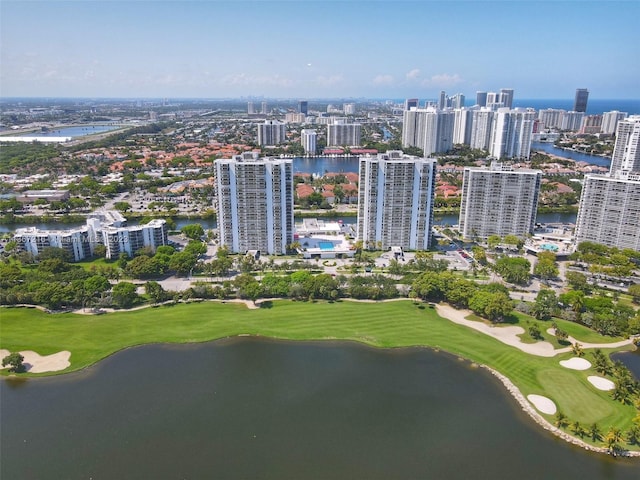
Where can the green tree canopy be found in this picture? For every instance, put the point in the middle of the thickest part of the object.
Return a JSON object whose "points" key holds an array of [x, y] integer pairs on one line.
{"points": [[193, 231], [545, 305], [124, 294], [14, 361], [494, 306], [514, 269]]}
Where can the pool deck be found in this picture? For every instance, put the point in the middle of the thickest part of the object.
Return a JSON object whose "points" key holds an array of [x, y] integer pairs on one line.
{"points": [[315, 246]]}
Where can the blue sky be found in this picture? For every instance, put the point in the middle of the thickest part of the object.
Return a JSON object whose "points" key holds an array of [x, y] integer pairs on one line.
{"points": [[313, 49]]}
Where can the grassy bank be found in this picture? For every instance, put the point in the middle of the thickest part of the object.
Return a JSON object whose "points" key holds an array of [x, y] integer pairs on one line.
{"points": [[392, 324]]}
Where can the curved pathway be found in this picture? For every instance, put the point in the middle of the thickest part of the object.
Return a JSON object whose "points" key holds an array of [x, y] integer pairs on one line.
{"points": [[509, 334], [621, 343]]}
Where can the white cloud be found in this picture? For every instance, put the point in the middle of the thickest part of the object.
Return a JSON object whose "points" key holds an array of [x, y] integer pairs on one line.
{"points": [[383, 80], [442, 80], [413, 74]]}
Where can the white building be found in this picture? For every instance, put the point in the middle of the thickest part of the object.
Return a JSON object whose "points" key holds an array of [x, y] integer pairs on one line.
{"points": [[481, 125], [75, 241], [626, 152], [462, 126], [511, 133], [610, 121], [295, 117], [506, 95], [395, 201], [340, 133], [100, 230], [349, 108], [255, 203], [572, 121], [591, 124], [496, 100], [308, 138], [457, 101], [429, 129], [498, 201], [609, 211], [271, 132], [129, 240], [551, 117]]}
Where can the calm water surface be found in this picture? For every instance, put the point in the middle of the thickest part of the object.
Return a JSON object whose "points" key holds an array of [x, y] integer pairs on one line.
{"points": [[577, 156], [631, 360], [257, 409], [77, 131], [208, 224]]}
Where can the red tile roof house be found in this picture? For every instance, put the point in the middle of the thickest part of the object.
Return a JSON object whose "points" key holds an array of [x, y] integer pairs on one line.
{"points": [[303, 190], [350, 193], [350, 176], [329, 196], [561, 187]]}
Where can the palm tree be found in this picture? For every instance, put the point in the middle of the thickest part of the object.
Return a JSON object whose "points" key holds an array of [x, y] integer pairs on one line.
{"points": [[601, 363], [577, 429], [633, 435], [613, 438], [594, 432], [561, 420], [576, 348]]}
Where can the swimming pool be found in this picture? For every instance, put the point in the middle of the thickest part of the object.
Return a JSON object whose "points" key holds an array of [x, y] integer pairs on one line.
{"points": [[325, 245], [550, 247]]}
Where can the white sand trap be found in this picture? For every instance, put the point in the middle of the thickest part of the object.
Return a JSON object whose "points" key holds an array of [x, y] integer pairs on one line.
{"points": [[576, 363], [36, 363], [601, 383], [542, 404], [506, 334]]}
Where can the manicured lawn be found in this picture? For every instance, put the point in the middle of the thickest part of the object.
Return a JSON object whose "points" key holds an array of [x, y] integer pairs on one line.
{"points": [[575, 330], [582, 333], [576, 395], [391, 324], [97, 262]]}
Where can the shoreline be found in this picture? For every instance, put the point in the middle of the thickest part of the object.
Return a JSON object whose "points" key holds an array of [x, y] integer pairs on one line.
{"points": [[544, 423], [510, 387]]}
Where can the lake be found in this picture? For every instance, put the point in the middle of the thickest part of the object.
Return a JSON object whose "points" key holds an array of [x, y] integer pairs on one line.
{"points": [[208, 224], [252, 408], [75, 131], [322, 165], [631, 361], [570, 154]]}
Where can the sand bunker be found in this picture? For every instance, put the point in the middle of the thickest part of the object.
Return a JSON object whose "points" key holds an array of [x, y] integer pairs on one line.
{"points": [[601, 383], [542, 404], [576, 363], [506, 334], [36, 363]]}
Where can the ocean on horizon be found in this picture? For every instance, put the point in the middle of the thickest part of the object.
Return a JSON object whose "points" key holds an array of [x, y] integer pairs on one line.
{"points": [[594, 106]]}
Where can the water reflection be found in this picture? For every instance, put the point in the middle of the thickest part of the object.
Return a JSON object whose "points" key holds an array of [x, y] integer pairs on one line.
{"points": [[252, 408]]}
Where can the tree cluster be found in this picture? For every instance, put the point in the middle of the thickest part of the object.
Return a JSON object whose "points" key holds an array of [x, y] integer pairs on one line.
{"points": [[490, 301]]}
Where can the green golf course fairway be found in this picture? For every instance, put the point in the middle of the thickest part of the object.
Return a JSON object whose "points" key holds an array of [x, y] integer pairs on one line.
{"points": [[91, 338]]}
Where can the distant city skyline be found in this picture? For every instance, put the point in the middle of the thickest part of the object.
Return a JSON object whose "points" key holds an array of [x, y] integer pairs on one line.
{"points": [[313, 49]]}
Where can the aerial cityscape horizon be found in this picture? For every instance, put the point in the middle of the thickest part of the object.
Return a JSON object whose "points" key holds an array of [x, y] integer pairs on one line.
{"points": [[316, 49], [333, 239]]}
